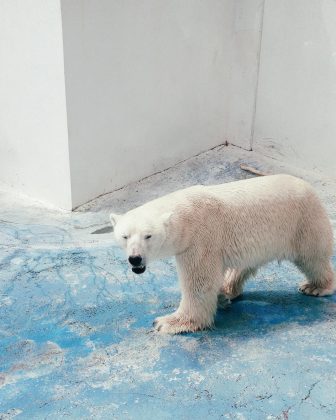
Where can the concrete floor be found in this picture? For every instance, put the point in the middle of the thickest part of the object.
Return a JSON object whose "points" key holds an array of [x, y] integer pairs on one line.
{"points": [[75, 332]]}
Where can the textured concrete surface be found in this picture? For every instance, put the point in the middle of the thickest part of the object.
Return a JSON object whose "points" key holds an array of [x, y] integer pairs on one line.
{"points": [[75, 330]]}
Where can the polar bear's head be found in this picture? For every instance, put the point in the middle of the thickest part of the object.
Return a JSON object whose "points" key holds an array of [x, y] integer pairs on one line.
{"points": [[141, 236]]}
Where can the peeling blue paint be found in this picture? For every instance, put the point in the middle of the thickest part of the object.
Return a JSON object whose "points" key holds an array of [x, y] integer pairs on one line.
{"points": [[76, 337]]}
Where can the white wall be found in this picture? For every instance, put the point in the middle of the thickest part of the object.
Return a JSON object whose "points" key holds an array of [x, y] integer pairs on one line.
{"points": [[243, 60], [296, 101], [33, 128], [148, 83], [151, 82]]}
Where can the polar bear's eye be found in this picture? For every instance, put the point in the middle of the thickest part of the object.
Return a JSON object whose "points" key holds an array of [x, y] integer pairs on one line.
{"points": [[148, 236], [125, 236]]}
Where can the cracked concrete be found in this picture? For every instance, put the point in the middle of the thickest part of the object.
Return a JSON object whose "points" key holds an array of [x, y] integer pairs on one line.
{"points": [[75, 332]]}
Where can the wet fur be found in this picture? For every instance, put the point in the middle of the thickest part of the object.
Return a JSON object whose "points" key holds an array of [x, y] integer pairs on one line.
{"points": [[220, 235]]}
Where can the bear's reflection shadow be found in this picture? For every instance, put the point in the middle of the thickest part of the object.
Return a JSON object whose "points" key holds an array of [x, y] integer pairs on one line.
{"points": [[258, 311]]}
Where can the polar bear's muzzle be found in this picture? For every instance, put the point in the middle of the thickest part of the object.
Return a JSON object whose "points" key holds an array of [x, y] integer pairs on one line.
{"points": [[137, 263], [139, 270]]}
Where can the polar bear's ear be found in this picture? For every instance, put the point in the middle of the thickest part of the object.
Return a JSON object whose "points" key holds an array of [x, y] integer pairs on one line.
{"points": [[114, 218], [165, 218]]}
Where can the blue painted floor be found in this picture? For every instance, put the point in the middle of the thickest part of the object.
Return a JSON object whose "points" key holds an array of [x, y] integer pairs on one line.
{"points": [[76, 338]]}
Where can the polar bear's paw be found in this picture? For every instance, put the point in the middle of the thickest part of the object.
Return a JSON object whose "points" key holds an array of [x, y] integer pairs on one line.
{"points": [[223, 301], [175, 324], [228, 292], [311, 290]]}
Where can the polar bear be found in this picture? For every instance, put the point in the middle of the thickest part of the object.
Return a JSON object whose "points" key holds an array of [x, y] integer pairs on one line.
{"points": [[221, 234]]}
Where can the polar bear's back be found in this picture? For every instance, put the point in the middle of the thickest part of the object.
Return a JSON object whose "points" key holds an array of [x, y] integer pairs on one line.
{"points": [[259, 219], [255, 190], [272, 217], [243, 193]]}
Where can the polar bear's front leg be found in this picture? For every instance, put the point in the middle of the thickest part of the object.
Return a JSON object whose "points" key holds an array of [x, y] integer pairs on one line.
{"points": [[200, 284]]}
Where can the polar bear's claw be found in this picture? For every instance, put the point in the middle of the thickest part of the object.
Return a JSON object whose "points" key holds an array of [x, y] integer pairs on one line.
{"points": [[175, 324], [311, 290]]}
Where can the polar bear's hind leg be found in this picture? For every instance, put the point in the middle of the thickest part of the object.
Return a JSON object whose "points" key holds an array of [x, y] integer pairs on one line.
{"points": [[234, 280], [314, 248], [320, 277]]}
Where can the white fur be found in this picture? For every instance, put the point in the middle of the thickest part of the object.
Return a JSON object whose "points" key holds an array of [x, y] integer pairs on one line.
{"points": [[221, 234]]}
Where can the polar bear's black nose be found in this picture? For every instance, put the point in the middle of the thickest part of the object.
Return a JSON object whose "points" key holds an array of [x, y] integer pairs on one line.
{"points": [[135, 260]]}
